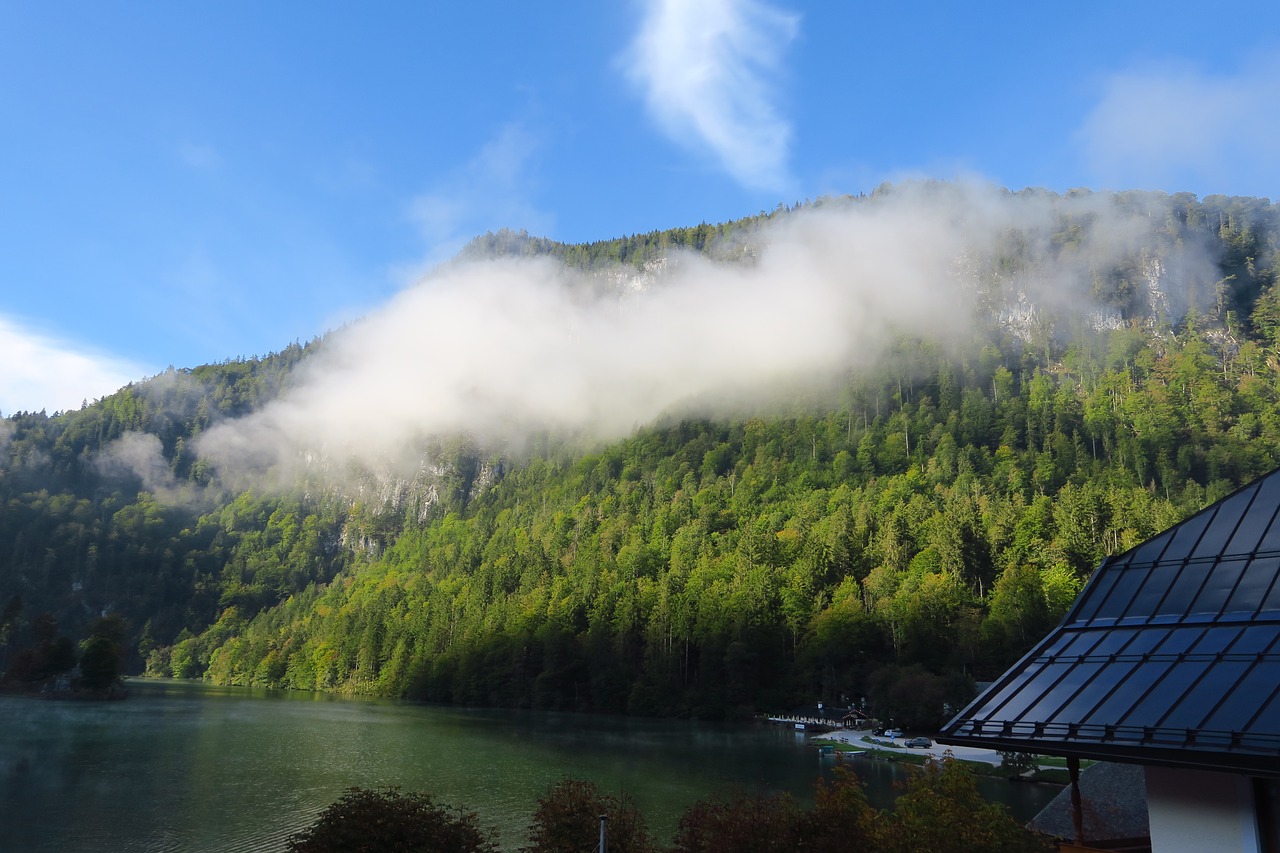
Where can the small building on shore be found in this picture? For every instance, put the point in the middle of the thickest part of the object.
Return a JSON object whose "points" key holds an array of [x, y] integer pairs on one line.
{"points": [[825, 717]]}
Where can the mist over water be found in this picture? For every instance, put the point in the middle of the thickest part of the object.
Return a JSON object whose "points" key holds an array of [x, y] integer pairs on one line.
{"points": [[500, 349]]}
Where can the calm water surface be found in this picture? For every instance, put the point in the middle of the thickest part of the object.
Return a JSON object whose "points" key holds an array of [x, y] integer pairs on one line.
{"points": [[190, 767]]}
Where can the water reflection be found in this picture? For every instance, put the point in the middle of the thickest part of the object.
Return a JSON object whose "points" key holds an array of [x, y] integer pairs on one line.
{"points": [[189, 766]]}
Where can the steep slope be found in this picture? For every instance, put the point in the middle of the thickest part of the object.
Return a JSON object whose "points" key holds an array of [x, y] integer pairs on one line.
{"points": [[867, 532]]}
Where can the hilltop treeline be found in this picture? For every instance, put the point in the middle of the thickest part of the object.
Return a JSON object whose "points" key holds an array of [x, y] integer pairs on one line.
{"points": [[890, 538], [720, 240]]}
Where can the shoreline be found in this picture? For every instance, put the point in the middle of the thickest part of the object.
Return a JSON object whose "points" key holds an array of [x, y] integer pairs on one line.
{"points": [[114, 693], [854, 738]]}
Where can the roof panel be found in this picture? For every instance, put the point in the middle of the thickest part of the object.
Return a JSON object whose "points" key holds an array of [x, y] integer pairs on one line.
{"points": [[1070, 642], [1254, 526], [1219, 681], [1244, 698], [1149, 551], [998, 696], [1093, 595], [1122, 592], [1171, 655], [1256, 639], [1069, 678], [1190, 577], [1156, 589], [1217, 639], [1252, 693], [1080, 702], [1180, 640], [1167, 692], [1183, 539], [1142, 641], [1271, 603], [1257, 579], [1222, 524], [1264, 722], [1218, 587], [1110, 642], [1270, 539], [1015, 702], [1126, 693]]}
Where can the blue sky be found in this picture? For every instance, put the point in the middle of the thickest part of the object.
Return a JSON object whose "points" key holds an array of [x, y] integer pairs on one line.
{"points": [[186, 183]]}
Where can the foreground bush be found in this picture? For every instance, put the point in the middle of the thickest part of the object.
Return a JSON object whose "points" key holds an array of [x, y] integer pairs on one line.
{"points": [[364, 821], [742, 824], [939, 810], [568, 821]]}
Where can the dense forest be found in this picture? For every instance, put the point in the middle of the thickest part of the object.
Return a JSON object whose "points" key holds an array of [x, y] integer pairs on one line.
{"points": [[888, 536]]}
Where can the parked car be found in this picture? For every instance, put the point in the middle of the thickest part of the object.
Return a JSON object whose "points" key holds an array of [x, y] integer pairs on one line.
{"points": [[893, 733], [923, 742]]}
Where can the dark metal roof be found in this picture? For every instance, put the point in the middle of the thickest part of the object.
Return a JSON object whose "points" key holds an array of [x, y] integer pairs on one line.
{"points": [[1171, 654]]}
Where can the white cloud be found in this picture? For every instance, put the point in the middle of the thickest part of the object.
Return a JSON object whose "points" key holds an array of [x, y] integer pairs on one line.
{"points": [[41, 372], [1178, 128], [708, 69], [141, 455], [502, 350], [489, 192]]}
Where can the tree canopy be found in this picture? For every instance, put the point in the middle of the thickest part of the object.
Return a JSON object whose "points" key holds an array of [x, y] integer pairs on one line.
{"points": [[884, 538]]}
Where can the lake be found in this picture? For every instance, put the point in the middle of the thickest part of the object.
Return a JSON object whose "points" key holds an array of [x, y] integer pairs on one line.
{"points": [[192, 767]]}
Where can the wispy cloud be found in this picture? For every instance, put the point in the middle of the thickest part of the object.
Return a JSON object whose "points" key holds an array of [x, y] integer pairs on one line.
{"points": [[708, 70], [140, 455], [42, 372], [1176, 122], [491, 191]]}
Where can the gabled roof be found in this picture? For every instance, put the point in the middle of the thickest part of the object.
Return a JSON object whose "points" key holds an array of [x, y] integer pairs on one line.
{"points": [[1171, 654]]}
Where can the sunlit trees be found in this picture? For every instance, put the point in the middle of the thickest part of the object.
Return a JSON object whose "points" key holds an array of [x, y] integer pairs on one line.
{"points": [[713, 567], [935, 511]]}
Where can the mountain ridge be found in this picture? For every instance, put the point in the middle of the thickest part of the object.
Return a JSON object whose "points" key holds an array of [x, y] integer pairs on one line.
{"points": [[914, 520]]}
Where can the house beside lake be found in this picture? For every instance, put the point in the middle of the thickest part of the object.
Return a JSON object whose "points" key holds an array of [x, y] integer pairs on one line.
{"points": [[1168, 660]]}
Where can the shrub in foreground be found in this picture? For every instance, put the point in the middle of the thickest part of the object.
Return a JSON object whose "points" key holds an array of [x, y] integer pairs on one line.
{"points": [[940, 810], [568, 821], [366, 821], [769, 823]]}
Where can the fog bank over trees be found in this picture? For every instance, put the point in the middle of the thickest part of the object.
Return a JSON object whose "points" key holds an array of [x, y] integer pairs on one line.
{"points": [[865, 448]]}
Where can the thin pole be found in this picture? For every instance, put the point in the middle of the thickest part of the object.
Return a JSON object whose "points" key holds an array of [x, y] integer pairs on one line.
{"points": [[1077, 811], [604, 841]]}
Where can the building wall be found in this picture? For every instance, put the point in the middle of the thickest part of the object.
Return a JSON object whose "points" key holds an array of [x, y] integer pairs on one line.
{"points": [[1195, 811]]}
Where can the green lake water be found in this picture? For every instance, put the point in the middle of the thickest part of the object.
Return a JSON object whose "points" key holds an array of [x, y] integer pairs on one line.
{"points": [[190, 767]]}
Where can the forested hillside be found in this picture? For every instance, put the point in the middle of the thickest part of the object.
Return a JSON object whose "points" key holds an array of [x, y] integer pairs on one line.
{"points": [[889, 533]]}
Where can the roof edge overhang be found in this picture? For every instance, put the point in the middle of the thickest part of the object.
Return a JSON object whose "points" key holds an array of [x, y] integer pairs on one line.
{"points": [[1183, 758]]}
